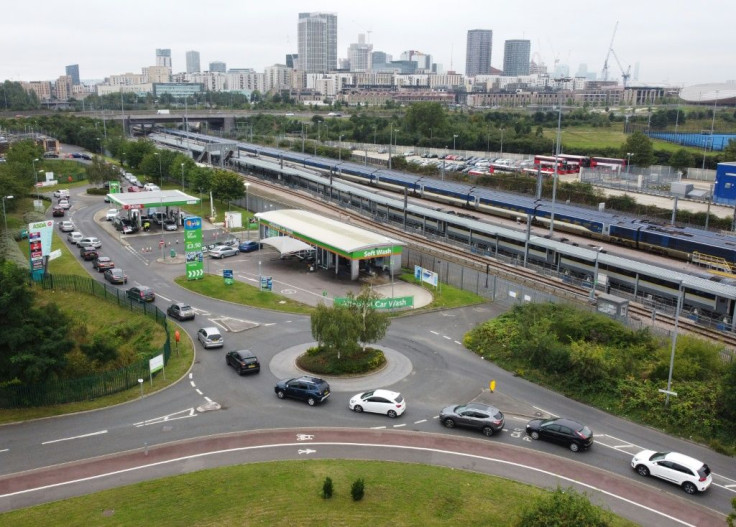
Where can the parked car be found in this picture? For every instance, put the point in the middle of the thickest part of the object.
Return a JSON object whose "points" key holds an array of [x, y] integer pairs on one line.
{"points": [[313, 390], [102, 263], [116, 276], [249, 246], [57, 211], [180, 311], [223, 251], [151, 187], [689, 473], [488, 419], [170, 225], [383, 402], [141, 294], [74, 237], [90, 240], [88, 253], [243, 361], [562, 431], [111, 214], [66, 226], [133, 188], [210, 338], [64, 204]]}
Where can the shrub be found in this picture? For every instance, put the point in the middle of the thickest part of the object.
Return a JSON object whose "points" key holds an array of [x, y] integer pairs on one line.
{"points": [[358, 489], [564, 507], [327, 488]]}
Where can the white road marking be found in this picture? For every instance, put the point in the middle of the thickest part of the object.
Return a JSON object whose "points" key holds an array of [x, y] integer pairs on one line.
{"points": [[544, 411], [208, 399], [433, 332], [420, 421], [75, 437], [191, 375], [199, 391], [304, 437], [399, 426], [377, 427], [458, 343], [192, 383], [446, 337], [5, 450], [184, 414], [306, 451], [167, 299]]}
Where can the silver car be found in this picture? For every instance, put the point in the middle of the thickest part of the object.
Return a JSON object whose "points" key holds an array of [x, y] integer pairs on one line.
{"points": [[210, 338], [223, 251]]}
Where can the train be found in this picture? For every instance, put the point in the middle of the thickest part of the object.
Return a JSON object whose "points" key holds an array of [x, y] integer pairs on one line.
{"points": [[682, 243]]}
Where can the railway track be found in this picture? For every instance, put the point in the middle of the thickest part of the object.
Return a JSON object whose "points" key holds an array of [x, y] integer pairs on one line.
{"points": [[512, 273]]}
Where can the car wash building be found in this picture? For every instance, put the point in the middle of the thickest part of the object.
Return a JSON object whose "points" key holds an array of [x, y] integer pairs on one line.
{"points": [[337, 246]]}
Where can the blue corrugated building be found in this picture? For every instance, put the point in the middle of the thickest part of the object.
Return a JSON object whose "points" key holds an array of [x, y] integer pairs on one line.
{"points": [[724, 190]]}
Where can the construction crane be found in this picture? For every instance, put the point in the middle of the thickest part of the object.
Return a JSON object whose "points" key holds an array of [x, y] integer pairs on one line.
{"points": [[625, 73]]}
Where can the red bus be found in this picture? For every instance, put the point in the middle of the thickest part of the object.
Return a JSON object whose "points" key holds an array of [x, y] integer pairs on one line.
{"points": [[481, 171], [607, 162], [547, 163], [576, 162]]}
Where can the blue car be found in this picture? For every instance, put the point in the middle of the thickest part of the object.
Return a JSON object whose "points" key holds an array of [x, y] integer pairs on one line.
{"points": [[249, 246]]}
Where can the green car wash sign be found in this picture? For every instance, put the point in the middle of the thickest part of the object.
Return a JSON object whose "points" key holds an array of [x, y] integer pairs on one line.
{"points": [[400, 302], [193, 248]]}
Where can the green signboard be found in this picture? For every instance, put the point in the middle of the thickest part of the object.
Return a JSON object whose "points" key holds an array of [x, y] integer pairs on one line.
{"points": [[399, 302], [114, 187], [193, 248]]}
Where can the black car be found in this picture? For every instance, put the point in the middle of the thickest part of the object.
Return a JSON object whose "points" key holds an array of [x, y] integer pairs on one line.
{"points": [[141, 294], [311, 389], [180, 311], [88, 253], [243, 361], [560, 430], [487, 419]]}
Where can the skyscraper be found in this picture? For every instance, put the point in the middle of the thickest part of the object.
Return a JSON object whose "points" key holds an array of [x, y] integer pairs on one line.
{"points": [[317, 36], [359, 55], [516, 56], [478, 52], [218, 67], [73, 72], [193, 62], [163, 58]]}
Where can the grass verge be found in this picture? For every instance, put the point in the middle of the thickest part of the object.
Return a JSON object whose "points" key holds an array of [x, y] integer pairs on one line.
{"points": [[288, 493]]}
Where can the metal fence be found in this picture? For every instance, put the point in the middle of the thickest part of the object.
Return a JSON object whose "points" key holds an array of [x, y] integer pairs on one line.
{"points": [[87, 388]]}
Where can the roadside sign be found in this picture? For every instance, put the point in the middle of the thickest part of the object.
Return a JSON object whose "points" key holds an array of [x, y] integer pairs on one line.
{"points": [[193, 248], [227, 274]]}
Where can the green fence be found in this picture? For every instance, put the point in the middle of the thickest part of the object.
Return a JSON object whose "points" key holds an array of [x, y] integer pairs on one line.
{"points": [[92, 387]]}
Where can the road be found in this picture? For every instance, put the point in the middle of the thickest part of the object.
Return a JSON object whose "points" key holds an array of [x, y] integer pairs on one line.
{"points": [[440, 372]]}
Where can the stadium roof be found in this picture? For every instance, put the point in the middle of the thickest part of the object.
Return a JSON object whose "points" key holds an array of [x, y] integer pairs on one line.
{"points": [[723, 93]]}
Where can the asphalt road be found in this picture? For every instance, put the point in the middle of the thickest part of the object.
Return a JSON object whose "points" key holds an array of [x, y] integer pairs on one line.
{"points": [[441, 372]]}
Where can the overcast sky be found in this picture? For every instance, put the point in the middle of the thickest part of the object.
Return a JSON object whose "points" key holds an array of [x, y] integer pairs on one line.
{"points": [[678, 43]]}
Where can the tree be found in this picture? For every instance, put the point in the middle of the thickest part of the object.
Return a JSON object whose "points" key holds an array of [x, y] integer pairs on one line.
{"points": [[426, 118], [681, 160], [99, 171], [373, 324], [336, 329], [564, 507], [729, 152], [640, 146], [227, 186]]}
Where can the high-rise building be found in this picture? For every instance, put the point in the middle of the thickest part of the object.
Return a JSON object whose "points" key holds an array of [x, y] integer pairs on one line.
{"points": [[73, 72], [218, 67], [292, 60], [317, 36], [193, 62], [163, 58], [478, 52], [360, 54], [516, 56]]}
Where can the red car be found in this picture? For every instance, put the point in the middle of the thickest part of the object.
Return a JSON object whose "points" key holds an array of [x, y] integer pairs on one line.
{"points": [[102, 263], [133, 188], [57, 211]]}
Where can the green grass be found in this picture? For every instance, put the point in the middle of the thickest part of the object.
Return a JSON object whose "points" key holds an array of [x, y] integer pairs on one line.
{"points": [[445, 296], [288, 493], [590, 139], [241, 293]]}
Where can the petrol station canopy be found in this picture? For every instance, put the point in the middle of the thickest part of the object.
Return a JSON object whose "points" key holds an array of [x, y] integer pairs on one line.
{"points": [[154, 198]]}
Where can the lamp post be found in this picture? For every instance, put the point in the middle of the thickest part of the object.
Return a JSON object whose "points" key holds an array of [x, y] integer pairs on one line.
{"points": [[5, 218], [246, 185], [160, 170], [454, 137], [339, 148], [554, 173], [35, 172], [628, 163], [182, 176], [501, 141], [595, 274], [669, 391], [99, 145]]}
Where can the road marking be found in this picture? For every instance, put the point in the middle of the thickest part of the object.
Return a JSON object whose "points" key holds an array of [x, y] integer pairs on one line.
{"points": [[199, 391], [434, 332], [192, 383], [75, 437], [399, 426], [420, 421], [544, 411], [377, 427], [269, 324], [184, 414], [362, 445], [446, 337], [5, 450], [167, 299], [458, 343], [304, 437], [191, 375], [208, 399], [306, 451]]}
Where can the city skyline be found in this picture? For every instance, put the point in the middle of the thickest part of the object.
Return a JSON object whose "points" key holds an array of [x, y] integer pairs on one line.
{"points": [[111, 38]]}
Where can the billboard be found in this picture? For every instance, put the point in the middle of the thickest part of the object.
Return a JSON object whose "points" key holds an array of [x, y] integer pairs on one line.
{"points": [[39, 240], [193, 248]]}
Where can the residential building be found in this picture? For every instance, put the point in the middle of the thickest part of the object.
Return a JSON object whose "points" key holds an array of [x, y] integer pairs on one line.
{"points": [[516, 57], [43, 89], [63, 87], [277, 78], [193, 62], [153, 74], [218, 67], [163, 58], [317, 42], [73, 72], [360, 55], [478, 52], [176, 89]]}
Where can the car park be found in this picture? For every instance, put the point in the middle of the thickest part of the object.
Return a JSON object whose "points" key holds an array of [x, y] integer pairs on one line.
{"points": [[90, 240], [74, 237], [313, 390], [88, 253], [384, 402], [249, 246], [141, 294], [57, 211], [488, 419], [111, 214], [243, 361], [210, 338], [180, 311], [116, 276], [574, 435], [102, 263], [684, 471], [66, 226], [222, 251]]}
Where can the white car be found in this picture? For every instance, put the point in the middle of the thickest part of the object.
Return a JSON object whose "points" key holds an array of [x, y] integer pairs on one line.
{"points": [[222, 251], [151, 187], [61, 193], [111, 214], [64, 204], [686, 472], [66, 226], [74, 237], [91, 241], [383, 402]]}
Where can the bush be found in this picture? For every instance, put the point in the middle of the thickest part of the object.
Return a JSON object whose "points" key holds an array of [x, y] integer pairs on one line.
{"points": [[564, 507], [358, 489], [327, 488]]}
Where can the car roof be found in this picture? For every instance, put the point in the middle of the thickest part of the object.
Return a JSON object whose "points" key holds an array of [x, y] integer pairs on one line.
{"points": [[210, 330], [388, 394], [244, 353], [484, 407], [682, 459], [567, 422]]}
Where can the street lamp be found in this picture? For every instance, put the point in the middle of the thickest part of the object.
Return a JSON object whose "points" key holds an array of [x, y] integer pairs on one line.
{"points": [[99, 145], [595, 274], [182, 176], [628, 163], [160, 170], [35, 172], [5, 219], [668, 391], [555, 171], [246, 185], [501, 141], [454, 136], [339, 148]]}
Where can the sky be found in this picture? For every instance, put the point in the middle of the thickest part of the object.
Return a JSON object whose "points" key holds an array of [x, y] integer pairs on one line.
{"points": [[664, 42]]}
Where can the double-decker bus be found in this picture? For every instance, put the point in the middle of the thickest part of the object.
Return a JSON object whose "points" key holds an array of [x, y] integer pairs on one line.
{"points": [[610, 163], [575, 163], [547, 164]]}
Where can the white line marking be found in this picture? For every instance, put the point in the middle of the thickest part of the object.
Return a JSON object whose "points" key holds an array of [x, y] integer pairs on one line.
{"points": [[208, 399], [191, 375], [420, 449], [420, 421], [167, 299], [399, 426], [378, 427], [5, 450], [192, 383], [270, 324], [446, 337], [433, 332], [544, 411], [199, 391], [75, 437], [458, 343]]}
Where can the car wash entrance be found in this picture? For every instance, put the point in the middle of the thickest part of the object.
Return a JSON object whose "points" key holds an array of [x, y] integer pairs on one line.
{"points": [[328, 243]]}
